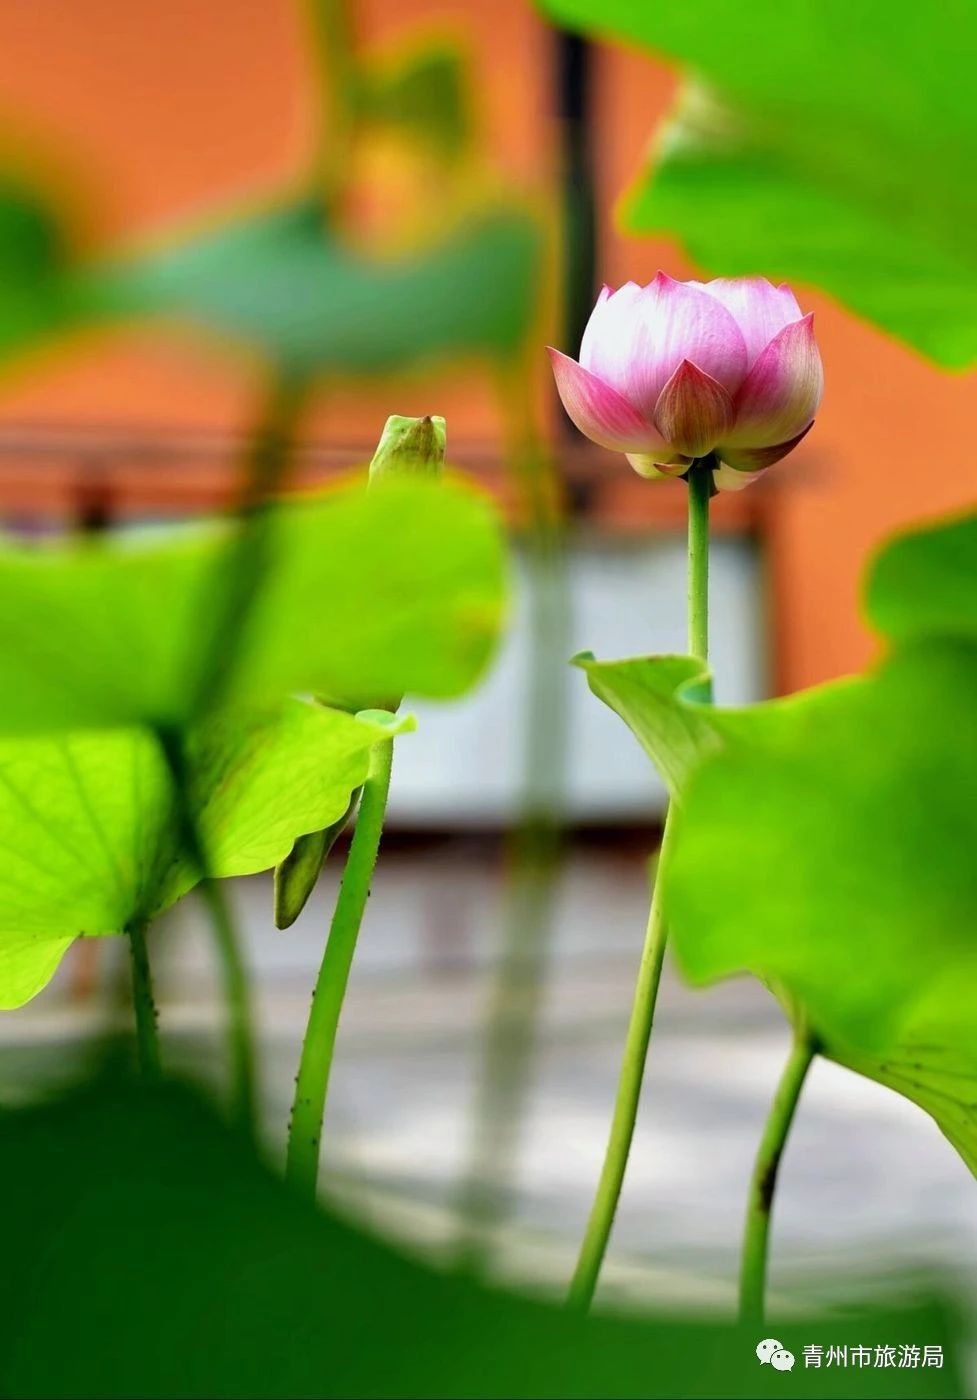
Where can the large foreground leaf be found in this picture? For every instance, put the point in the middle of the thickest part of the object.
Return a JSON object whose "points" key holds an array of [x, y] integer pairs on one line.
{"points": [[367, 595], [839, 867], [925, 582], [661, 700], [167, 1261], [831, 143], [90, 840]]}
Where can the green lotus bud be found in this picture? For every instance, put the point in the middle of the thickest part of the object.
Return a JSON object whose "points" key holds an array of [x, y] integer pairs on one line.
{"points": [[409, 447], [296, 876]]}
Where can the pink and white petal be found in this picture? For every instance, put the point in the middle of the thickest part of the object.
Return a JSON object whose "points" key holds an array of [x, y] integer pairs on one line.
{"points": [[646, 465], [599, 411], [693, 411], [605, 348], [759, 308], [782, 391], [726, 479], [747, 460], [676, 322]]}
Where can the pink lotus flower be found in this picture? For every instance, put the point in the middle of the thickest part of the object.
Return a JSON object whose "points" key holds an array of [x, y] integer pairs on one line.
{"points": [[675, 371]]}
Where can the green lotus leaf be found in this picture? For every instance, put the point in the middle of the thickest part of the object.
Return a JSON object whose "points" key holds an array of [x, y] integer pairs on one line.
{"points": [[662, 701], [37, 293], [925, 581], [830, 144], [90, 837], [366, 595], [837, 865], [277, 280], [96, 1185]]}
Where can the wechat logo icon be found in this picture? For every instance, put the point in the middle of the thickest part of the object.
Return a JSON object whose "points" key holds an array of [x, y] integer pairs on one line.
{"points": [[775, 1354]]}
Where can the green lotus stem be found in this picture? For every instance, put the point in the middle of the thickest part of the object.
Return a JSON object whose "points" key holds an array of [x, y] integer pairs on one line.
{"points": [[237, 1000], [601, 1220], [318, 1047], [756, 1236], [240, 570], [337, 72], [147, 1034], [237, 996], [700, 490], [604, 1208]]}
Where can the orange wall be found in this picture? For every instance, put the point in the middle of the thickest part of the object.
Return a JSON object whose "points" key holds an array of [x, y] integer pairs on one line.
{"points": [[162, 109]]}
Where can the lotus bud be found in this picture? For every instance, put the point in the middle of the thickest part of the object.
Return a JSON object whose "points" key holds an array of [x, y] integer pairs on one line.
{"points": [[676, 372], [409, 447], [296, 876]]}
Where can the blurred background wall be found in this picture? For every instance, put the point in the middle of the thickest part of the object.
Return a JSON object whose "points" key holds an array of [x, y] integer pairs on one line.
{"points": [[155, 112]]}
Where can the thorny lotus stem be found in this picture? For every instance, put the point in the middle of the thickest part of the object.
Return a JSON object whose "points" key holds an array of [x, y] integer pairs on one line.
{"points": [[628, 1094], [756, 1237], [311, 1086], [602, 1213], [147, 1035]]}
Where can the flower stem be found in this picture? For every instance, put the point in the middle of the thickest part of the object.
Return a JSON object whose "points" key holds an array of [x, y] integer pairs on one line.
{"points": [[338, 94], [237, 998], [628, 1094], [602, 1213], [753, 1269], [147, 1036], [700, 490], [308, 1108]]}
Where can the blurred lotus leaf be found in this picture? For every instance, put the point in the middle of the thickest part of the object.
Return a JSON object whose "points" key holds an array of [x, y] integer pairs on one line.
{"points": [[831, 143], [279, 281], [423, 92], [168, 1261], [925, 582], [366, 594], [825, 842], [37, 297], [91, 837]]}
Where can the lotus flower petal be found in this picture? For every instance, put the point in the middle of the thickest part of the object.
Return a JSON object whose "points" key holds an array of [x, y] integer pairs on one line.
{"points": [[759, 308], [693, 411], [726, 479], [674, 371], [605, 348], [782, 391], [747, 461], [600, 412], [676, 322], [653, 469]]}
